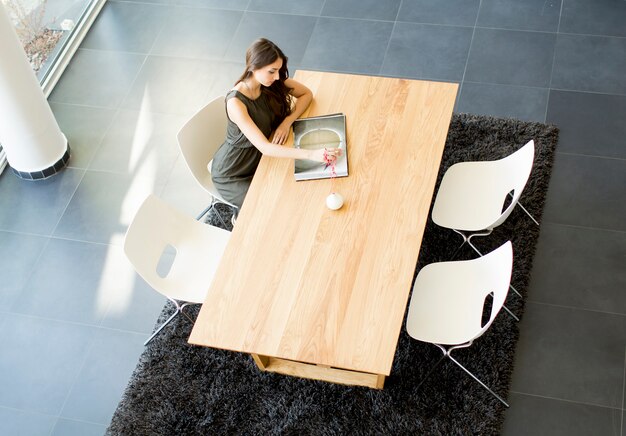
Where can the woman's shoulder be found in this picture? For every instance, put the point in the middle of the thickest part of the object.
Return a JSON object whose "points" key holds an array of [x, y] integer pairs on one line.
{"points": [[233, 92]]}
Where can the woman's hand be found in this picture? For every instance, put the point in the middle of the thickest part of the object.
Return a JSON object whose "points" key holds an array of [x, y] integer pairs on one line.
{"points": [[325, 155], [282, 132]]}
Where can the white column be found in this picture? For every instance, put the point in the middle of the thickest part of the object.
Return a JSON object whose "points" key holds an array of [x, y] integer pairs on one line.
{"points": [[31, 137]]}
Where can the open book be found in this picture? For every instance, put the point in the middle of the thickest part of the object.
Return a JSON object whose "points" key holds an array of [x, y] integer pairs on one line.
{"points": [[318, 132]]}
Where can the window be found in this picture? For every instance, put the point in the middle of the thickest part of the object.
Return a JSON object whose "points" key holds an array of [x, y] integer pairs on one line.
{"points": [[50, 31]]}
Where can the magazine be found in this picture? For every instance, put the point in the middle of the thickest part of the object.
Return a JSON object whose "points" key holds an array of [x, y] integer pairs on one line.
{"points": [[318, 132]]}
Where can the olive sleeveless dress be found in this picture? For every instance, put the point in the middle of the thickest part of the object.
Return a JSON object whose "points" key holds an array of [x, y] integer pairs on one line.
{"points": [[237, 158]]}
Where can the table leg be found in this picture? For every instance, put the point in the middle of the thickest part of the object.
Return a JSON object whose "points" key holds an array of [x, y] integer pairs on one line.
{"points": [[261, 361], [319, 372]]}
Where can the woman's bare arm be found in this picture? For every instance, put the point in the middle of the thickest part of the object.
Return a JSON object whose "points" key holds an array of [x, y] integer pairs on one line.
{"points": [[238, 113]]}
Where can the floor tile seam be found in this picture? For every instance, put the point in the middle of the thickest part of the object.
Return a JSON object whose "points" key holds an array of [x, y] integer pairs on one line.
{"points": [[338, 71], [513, 86], [424, 23], [294, 14], [81, 105], [558, 26], [111, 50], [215, 59], [169, 174], [469, 51], [382, 64], [578, 227], [323, 6], [83, 241], [548, 221], [114, 173], [76, 374], [82, 177], [100, 141], [24, 286], [82, 421], [230, 43], [595, 156], [500, 83], [565, 400], [90, 347], [623, 390], [142, 334], [22, 233], [393, 29], [593, 35], [516, 30], [545, 115], [582, 309], [116, 106], [179, 6], [94, 327], [139, 70], [317, 20], [610, 94], [151, 5], [372, 20], [407, 77], [54, 320], [69, 392], [154, 112], [34, 412], [55, 417], [617, 94], [208, 58]]}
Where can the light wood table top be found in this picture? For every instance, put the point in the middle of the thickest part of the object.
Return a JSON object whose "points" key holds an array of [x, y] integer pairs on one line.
{"points": [[329, 288]]}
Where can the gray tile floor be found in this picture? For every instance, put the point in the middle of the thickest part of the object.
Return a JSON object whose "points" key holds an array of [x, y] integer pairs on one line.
{"points": [[73, 314]]}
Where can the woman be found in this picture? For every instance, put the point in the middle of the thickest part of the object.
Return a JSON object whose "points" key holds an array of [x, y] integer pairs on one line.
{"points": [[260, 104]]}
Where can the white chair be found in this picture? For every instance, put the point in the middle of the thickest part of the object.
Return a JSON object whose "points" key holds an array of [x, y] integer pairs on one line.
{"points": [[199, 139], [158, 227], [472, 195], [446, 307]]}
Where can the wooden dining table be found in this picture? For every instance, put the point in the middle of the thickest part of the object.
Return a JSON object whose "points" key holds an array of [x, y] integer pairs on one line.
{"points": [[320, 293]]}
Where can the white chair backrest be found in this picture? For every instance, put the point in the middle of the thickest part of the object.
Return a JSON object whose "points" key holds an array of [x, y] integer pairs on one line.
{"points": [[450, 297], [201, 137], [475, 192], [199, 248], [515, 170]]}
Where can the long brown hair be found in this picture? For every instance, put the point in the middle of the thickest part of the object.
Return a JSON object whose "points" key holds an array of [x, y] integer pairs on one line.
{"points": [[261, 53]]}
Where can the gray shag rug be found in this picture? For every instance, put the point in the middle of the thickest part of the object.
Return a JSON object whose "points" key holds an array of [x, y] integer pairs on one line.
{"points": [[179, 389]]}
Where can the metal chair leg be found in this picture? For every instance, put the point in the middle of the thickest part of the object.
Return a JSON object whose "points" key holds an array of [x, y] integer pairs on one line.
{"points": [[162, 325], [211, 206], [430, 371], [524, 209], [179, 309], [182, 312], [205, 211], [527, 213], [515, 290], [456, 252], [510, 313], [477, 379]]}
